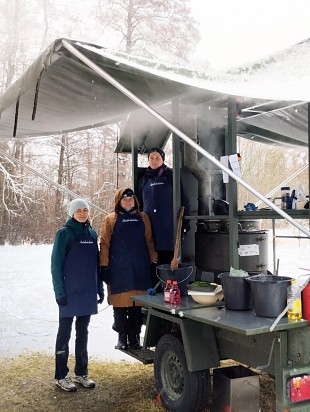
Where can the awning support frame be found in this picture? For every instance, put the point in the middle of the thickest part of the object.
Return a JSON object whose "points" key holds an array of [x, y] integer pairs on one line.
{"points": [[182, 135]]}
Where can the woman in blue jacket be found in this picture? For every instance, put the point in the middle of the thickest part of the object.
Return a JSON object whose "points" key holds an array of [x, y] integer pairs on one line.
{"points": [[76, 282]]}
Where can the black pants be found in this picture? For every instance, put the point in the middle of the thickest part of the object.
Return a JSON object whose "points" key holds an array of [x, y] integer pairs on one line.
{"points": [[62, 346], [128, 321]]}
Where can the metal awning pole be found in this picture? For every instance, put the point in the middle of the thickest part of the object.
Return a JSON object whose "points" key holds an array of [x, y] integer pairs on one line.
{"points": [[284, 183], [182, 135]]}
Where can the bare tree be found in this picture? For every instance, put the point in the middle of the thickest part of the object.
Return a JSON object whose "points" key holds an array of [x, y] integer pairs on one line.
{"points": [[58, 197], [14, 194], [84, 162], [276, 162], [151, 28]]}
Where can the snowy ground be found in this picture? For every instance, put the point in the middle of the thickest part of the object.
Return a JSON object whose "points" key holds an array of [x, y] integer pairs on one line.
{"points": [[28, 312]]}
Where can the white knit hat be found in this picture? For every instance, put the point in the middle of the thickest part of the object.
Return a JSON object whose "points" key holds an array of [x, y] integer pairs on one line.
{"points": [[76, 204]]}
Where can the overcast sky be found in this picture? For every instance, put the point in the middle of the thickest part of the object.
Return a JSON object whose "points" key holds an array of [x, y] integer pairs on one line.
{"points": [[237, 32]]}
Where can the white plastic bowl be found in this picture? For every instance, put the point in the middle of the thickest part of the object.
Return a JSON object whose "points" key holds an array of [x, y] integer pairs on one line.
{"points": [[207, 298]]}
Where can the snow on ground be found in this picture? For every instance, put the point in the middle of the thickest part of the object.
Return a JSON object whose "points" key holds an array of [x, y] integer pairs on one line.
{"points": [[29, 314]]}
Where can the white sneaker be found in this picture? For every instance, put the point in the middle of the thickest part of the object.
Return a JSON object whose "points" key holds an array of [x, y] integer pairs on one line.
{"points": [[66, 384], [85, 381]]}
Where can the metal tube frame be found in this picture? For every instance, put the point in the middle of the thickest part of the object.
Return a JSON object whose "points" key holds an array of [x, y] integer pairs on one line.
{"points": [[182, 135]]}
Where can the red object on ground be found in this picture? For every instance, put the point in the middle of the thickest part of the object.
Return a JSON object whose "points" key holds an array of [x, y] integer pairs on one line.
{"points": [[158, 399]]}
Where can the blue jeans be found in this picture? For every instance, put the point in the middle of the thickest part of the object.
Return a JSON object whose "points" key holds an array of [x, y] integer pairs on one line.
{"points": [[62, 346]]}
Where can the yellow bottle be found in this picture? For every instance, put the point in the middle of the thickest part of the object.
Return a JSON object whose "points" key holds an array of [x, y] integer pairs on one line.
{"points": [[294, 293]]}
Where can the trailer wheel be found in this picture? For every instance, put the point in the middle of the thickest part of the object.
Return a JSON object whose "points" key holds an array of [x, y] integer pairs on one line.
{"points": [[179, 389]]}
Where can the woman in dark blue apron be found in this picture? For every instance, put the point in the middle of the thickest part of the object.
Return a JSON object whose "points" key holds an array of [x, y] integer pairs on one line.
{"points": [[126, 253], [156, 199], [74, 267]]}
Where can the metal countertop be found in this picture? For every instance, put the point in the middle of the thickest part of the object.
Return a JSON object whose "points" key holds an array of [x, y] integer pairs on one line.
{"points": [[243, 322]]}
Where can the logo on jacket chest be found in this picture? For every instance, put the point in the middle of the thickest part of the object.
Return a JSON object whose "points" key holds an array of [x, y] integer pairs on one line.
{"points": [[130, 220], [157, 183]]}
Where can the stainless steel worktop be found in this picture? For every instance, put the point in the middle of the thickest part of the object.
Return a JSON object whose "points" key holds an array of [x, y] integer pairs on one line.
{"points": [[243, 322]]}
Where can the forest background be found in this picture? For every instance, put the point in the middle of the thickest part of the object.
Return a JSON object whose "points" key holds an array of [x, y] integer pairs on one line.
{"points": [[31, 209]]}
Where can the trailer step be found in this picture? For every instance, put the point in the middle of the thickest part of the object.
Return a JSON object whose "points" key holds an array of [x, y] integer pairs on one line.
{"points": [[146, 356]]}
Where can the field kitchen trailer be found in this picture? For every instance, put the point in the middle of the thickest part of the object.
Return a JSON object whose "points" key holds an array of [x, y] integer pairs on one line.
{"points": [[75, 85]]}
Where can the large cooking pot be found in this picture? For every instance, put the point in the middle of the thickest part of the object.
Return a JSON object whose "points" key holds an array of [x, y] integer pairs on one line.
{"points": [[210, 226]]}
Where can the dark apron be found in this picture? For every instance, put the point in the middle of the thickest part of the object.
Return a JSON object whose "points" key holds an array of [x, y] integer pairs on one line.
{"points": [[80, 277], [158, 204], [129, 260]]}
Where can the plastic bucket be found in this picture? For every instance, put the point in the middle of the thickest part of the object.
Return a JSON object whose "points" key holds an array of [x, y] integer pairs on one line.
{"points": [[237, 291], [181, 275], [269, 294]]}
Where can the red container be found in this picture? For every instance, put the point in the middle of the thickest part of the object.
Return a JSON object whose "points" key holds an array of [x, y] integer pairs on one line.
{"points": [[306, 303]]}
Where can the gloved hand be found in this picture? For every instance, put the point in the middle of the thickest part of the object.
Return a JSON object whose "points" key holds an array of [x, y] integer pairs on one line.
{"points": [[151, 292], [101, 297], [61, 301], [105, 274], [154, 270], [186, 227]]}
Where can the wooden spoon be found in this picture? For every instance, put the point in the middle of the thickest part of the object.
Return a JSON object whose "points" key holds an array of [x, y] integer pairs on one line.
{"points": [[175, 263]]}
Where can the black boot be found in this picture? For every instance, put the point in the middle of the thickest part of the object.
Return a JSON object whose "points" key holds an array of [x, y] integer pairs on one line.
{"points": [[134, 342], [135, 321], [122, 342], [120, 326]]}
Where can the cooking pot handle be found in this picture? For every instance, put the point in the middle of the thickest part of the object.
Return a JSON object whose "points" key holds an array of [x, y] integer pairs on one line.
{"points": [[240, 228]]}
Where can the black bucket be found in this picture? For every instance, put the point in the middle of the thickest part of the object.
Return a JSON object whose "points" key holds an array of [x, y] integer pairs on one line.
{"points": [[269, 294], [181, 275], [237, 291]]}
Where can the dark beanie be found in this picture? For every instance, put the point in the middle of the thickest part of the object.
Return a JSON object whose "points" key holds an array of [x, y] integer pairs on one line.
{"points": [[127, 193], [158, 150]]}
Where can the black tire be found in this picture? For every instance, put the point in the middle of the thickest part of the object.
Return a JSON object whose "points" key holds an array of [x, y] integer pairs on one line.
{"points": [[179, 389]]}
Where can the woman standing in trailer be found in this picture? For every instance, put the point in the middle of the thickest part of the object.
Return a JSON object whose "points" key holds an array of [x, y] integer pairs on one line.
{"points": [[156, 199]]}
